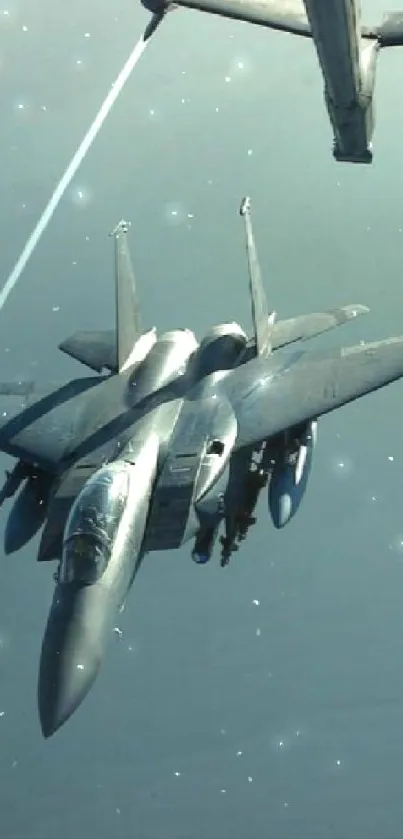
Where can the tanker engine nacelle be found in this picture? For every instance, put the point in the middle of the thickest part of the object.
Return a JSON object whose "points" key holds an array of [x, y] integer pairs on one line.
{"points": [[290, 473]]}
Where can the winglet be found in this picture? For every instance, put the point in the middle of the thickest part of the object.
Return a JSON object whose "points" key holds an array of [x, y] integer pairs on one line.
{"points": [[263, 321], [128, 321]]}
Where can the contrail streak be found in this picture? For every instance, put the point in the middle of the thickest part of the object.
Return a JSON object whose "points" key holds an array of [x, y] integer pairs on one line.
{"points": [[73, 166]]}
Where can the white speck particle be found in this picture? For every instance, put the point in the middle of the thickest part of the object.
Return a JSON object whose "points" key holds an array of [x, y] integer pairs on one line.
{"points": [[177, 774], [190, 215], [250, 152], [280, 744], [87, 35], [391, 458], [256, 602], [258, 632], [285, 804], [338, 762], [2, 713], [238, 754], [250, 779], [117, 811], [223, 790], [80, 667], [55, 308], [118, 631], [25, 28]]}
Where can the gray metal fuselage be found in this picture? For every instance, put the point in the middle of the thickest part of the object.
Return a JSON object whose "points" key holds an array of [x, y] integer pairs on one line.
{"points": [[349, 66], [121, 412], [347, 53]]}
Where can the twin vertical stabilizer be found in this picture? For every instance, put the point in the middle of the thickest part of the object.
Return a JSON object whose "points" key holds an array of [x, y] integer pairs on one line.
{"points": [[263, 320], [132, 344]]}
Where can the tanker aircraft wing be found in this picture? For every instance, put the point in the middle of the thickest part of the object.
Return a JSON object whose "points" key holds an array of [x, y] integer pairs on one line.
{"points": [[347, 52]]}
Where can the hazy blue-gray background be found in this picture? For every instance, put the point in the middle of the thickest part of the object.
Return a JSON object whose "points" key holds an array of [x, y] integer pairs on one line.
{"points": [[215, 717]]}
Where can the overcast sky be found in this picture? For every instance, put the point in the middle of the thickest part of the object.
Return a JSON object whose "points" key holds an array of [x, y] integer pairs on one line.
{"points": [[266, 699]]}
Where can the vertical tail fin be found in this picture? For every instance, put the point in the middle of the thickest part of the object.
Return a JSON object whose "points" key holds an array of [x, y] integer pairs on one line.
{"points": [[263, 320], [128, 321]]}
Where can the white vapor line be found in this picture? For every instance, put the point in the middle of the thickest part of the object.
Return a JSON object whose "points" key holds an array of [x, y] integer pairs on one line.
{"points": [[71, 170]]}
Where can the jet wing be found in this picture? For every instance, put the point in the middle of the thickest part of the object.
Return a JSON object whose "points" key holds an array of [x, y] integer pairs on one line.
{"points": [[283, 15], [272, 395], [38, 422]]}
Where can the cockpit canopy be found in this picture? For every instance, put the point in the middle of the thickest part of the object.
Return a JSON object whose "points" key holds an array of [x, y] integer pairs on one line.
{"points": [[93, 524]]}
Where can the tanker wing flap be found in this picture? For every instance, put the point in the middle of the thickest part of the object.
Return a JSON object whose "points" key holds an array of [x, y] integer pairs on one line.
{"points": [[272, 395]]}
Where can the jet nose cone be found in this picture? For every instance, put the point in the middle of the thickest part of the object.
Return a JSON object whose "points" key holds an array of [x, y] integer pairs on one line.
{"points": [[71, 655]]}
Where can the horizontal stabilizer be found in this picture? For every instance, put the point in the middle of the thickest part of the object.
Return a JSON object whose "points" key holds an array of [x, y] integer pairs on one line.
{"points": [[308, 326], [303, 327], [390, 32], [97, 350]]}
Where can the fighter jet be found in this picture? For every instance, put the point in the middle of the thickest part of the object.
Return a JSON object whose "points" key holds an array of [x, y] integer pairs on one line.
{"points": [[167, 441], [347, 53]]}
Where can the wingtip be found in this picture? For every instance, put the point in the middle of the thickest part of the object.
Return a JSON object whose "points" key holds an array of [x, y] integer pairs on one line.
{"points": [[353, 310]]}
